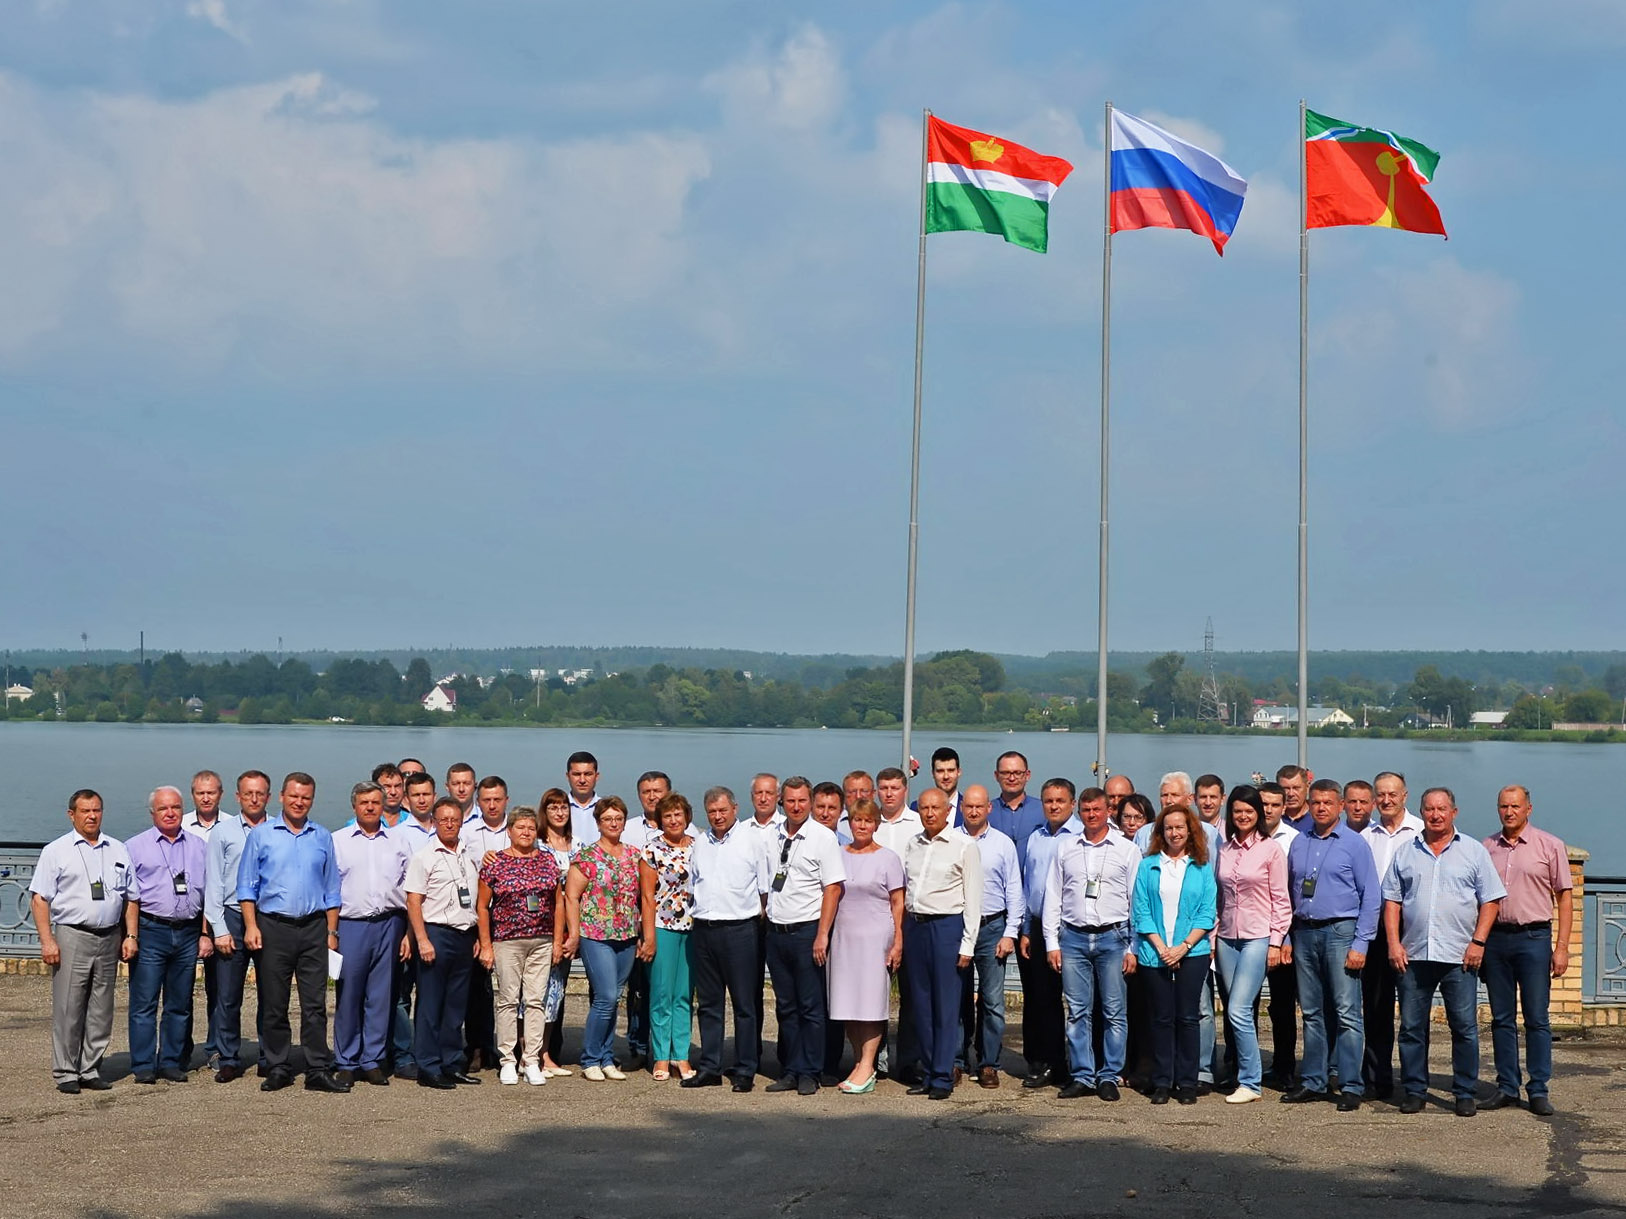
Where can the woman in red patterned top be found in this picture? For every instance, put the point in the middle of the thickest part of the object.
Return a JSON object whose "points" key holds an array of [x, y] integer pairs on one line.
{"points": [[522, 929]]}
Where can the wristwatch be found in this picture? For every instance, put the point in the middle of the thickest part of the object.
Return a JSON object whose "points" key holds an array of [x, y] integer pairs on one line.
{"points": [[1479, 943]]}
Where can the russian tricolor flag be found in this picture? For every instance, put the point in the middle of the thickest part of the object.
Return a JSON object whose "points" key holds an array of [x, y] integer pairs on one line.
{"points": [[1161, 182]]}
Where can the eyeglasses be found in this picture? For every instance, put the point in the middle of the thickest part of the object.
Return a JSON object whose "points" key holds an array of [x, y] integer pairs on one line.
{"points": [[1009, 774]]}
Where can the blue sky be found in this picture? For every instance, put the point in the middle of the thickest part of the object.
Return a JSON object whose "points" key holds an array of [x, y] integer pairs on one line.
{"points": [[409, 324]]}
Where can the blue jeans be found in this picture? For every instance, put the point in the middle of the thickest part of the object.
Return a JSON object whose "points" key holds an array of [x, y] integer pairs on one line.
{"points": [[1092, 967], [1518, 967], [982, 1006], [165, 967], [1329, 991], [1459, 990], [608, 963], [1241, 976]]}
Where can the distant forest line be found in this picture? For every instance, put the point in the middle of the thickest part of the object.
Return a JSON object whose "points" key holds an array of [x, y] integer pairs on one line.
{"points": [[1146, 692]]}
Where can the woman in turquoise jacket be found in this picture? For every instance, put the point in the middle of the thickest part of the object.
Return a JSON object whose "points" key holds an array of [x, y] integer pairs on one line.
{"points": [[1174, 914]]}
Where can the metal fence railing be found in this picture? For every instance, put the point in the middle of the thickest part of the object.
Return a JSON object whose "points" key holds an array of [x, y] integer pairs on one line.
{"points": [[1603, 958], [17, 935]]}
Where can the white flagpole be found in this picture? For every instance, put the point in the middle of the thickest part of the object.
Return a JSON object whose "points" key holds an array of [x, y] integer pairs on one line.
{"points": [[914, 464], [1101, 771], [1304, 442]]}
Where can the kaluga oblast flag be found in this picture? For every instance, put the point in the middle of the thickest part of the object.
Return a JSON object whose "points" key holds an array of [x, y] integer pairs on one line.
{"points": [[1360, 175], [982, 184], [1161, 182]]}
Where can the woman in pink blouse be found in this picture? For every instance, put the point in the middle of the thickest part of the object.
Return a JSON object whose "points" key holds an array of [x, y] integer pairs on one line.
{"points": [[1254, 915]]}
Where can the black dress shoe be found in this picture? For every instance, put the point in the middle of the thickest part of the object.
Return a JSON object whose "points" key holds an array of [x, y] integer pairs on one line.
{"points": [[702, 1079], [829, 1079], [1279, 1083], [226, 1074], [1302, 1096], [1412, 1102], [174, 1074], [263, 1071], [462, 1077], [1498, 1100], [919, 1089], [145, 1077], [1037, 1079], [1185, 1096], [325, 1081], [1348, 1102], [939, 1093], [1074, 1089], [94, 1083], [68, 1087], [374, 1076], [276, 1079], [1160, 1096], [786, 1084], [344, 1076], [807, 1085], [410, 1071], [1541, 1106], [1466, 1106], [1107, 1090], [744, 1083], [425, 1080], [1204, 1089], [635, 1062]]}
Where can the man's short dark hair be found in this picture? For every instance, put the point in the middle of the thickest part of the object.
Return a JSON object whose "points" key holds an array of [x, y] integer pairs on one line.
{"points": [[386, 770], [579, 757], [827, 789], [654, 776], [944, 754], [491, 783], [1208, 781], [418, 778], [458, 768], [1063, 783], [1328, 785], [889, 774], [84, 793]]}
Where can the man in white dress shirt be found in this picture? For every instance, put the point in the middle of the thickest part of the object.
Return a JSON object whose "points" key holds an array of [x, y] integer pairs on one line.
{"points": [[1087, 940], [806, 885], [78, 892], [1003, 910], [942, 910], [1386, 833]]}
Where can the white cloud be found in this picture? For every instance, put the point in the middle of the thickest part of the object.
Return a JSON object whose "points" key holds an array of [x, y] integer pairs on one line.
{"points": [[1435, 337], [214, 13], [192, 228], [800, 88], [1190, 130]]}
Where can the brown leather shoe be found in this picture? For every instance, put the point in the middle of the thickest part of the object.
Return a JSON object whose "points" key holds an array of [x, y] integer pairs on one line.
{"points": [[988, 1077], [958, 1076]]}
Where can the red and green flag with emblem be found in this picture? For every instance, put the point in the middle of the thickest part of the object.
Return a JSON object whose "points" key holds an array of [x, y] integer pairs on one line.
{"points": [[1363, 176]]}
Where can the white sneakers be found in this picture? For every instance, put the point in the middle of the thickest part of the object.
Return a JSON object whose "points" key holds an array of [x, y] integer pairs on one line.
{"points": [[534, 1075], [614, 1072], [1241, 1096], [508, 1075], [596, 1074]]}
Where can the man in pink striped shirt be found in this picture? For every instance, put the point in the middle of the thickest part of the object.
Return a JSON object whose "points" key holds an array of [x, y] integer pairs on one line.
{"points": [[1522, 955]]}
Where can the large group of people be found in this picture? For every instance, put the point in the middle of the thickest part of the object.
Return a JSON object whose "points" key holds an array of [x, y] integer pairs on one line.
{"points": [[448, 923]]}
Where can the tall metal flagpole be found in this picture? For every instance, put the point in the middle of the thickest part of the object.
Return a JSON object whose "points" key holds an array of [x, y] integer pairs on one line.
{"points": [[1304, 446], [914, 465], [1106, 401]]}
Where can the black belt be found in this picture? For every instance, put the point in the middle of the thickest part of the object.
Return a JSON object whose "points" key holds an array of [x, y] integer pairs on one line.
{"points": [[89, 930], [932, 918], [1100, 929], [449, 927], [725, 922], [290, 919], [370, 918], [1543, 925], [1316, 924], [792, 928], [988, 918], [180, 924]]}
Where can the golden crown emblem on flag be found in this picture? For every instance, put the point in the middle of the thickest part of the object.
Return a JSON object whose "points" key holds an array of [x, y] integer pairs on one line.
{"points": [[987, 150]]}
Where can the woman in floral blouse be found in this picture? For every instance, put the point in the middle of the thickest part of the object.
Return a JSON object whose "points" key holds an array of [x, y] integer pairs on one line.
{"points": [[666, 880], [601, 903], [521, 907]]}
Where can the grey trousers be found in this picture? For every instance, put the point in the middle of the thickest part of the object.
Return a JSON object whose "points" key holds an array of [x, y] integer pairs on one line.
{"points": [[82, 1001]]}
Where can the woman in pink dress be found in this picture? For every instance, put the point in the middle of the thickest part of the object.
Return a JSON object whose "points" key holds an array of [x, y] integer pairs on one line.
{"points": [[866, 943]]}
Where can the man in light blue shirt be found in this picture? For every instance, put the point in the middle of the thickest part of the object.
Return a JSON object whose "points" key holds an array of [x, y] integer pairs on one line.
{"points": [[1440, 897], [1043, 1043], [224, 919], [1003, 914], [288, 887]]}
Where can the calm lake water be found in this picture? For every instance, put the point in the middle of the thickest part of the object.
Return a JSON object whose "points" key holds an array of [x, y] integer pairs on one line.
{"points": [[1577, 789]]}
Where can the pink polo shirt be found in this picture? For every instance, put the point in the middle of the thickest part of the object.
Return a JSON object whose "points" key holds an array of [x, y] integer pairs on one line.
{"points": [[1535, 867], [1253, 900]]}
